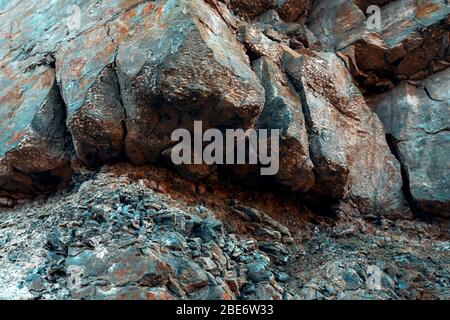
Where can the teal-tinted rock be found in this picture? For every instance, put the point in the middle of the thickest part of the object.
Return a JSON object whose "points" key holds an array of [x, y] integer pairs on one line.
{"points": [[417, 118]]}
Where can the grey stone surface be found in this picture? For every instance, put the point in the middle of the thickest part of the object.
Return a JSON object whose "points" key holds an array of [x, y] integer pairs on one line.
{"points": [[283, 111], [347, 143], [417, 118]]}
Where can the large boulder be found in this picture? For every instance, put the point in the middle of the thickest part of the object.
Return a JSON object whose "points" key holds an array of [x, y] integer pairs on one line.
{"points": [[34, 145], [183, 63], [154, 69], [34, 142], [418, 120], [347, 141]]}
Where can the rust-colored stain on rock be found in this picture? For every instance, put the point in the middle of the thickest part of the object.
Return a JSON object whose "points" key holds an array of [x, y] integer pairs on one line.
{"points": [[427, 9]]}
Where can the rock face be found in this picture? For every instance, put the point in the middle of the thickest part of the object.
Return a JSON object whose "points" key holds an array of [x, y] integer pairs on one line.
{"points": [[34, 147], [417, 119], [364, 4], [92, 88], [35, 144], [293, 10], [91, 92], [184, 76], [344, 135], [283, 110], [251, 8], [131, 72], [412, 41], [115, 237]]}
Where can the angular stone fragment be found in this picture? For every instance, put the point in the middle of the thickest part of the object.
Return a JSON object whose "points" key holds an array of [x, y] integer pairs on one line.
{"points": [[296, 34], [337, 23], [182, 64], [129, 266], [417, 118], [189, 274], [34, 150], [91, 92], [258, 44], [283, 111], [347, 143]]}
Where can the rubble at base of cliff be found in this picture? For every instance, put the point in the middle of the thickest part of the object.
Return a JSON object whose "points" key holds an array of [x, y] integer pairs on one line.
{"points": [[93, 205], [127, 233]]}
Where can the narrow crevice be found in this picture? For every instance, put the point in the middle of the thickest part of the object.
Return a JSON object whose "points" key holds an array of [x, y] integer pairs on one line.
{"points": [[417, 213], [325, 204], [119, 92], [69, 144], [122, 105], [429, 95]]}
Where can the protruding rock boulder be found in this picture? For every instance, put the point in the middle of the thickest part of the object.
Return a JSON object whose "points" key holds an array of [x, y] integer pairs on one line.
{"points": [[347, 142], [418, 120], [293, 10], [34, 149], [182, 64], [283, 111]]}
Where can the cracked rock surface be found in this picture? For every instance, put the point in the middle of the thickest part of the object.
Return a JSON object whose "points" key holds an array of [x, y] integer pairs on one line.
{"points": [[94, 208], [416, 116]]}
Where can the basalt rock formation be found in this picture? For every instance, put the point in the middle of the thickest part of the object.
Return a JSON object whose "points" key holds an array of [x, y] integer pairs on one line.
{"points": [[88, 88]]}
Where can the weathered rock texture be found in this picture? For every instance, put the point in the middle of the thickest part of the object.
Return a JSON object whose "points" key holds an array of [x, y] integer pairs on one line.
{"points": [[184, 65], [131, 72], [33, 140], [411, 44], [363, 115], [91, 92], [347, 140], [283, 111], [289, 10], [417, 119]]}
